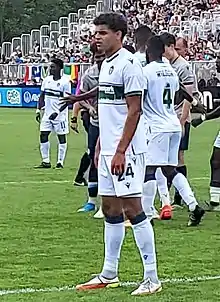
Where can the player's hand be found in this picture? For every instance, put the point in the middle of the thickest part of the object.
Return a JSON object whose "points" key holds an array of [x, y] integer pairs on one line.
{"points": [[69, 99], [38, 116], [53, 116], [200, 108], [118, 164], [92, 111], [196, 122]]}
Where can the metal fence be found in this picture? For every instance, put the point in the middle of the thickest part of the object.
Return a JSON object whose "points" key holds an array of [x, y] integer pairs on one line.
{"points": [[202, 69]]}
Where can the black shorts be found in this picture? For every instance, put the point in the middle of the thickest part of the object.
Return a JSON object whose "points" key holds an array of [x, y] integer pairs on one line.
{"points": [[184, 143], [85, 117], [93, 135]]}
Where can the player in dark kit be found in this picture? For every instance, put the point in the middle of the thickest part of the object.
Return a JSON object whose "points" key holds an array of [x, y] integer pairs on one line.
{"points": [[214, 204]]}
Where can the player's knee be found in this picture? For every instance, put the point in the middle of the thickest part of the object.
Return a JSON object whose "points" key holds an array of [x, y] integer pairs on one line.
{"points": [[133, 209], [44, 137], [62, 139], [111, 210], [114, 219]]}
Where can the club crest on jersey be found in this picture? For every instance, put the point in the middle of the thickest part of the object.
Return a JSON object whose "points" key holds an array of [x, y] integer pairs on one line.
{"points": [[58, 84], [111, 69]]}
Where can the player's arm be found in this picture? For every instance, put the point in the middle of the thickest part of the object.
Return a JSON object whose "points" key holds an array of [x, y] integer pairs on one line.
{"points": [[214, 114], [72, 99], [133, 83], [41, 102]]}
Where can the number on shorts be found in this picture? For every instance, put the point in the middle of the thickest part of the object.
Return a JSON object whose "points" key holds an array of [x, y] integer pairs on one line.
{"points": [[128, 172], [167, 100], [62, 125]]}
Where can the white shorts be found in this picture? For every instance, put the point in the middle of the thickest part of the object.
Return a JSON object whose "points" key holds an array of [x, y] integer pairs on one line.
{"points": [[217, 141], [163, 148], [129, 184], [58, 126]]}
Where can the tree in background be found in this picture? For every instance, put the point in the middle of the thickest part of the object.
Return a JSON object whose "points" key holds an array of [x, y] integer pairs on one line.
{"points": [[20, 16]]}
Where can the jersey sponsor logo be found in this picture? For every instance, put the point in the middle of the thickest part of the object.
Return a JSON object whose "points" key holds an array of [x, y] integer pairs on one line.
{"points": [[111, 92], [131, 61], [111, 69], [13, 97]]}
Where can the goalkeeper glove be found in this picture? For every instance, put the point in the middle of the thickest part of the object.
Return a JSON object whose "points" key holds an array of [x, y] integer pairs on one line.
{"points": [[198, 121], [38, 116]]}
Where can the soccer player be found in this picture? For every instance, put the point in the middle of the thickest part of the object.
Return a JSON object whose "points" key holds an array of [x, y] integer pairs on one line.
{"points": [[214, 204], [186, 77], [53, 87], [120, 156], [88, 82], [165, 127]]}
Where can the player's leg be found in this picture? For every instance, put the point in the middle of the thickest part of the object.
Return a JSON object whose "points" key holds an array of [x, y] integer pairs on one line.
{"points": [[158, 148], [61, 128], [45, 129], [215, 176], [184, 145], [85, 160], [114, 231], [180, 182], [93, 135], [62, 148], [162, 188]]}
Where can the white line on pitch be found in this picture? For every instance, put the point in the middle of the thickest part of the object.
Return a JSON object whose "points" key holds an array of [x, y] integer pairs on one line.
{"points": [[36, 182], [29, 290]]}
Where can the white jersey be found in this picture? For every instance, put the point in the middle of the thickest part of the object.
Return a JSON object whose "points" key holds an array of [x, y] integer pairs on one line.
{"points": [[53, 90], [121, 75], [141, 56], [161, 83]]}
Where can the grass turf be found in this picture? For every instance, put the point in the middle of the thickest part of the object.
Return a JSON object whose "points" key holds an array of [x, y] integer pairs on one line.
{"points": [[45, 243]]}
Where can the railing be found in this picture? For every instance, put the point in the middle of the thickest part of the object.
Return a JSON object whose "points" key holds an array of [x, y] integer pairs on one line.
{"points": [[202, 69]]}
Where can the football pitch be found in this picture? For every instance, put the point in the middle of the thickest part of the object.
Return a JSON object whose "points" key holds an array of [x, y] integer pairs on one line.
{"points": [[46, 248]]}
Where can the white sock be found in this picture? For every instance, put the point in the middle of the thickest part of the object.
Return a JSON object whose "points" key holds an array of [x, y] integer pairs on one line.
{"points": [[114, 237], [61, 153], [181, 184], [45, 151], [215, 194], [144, 237], [149, 193], [162, 187]]}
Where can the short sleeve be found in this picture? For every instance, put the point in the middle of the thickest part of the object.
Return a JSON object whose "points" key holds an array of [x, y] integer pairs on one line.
{"points": [[133, 78], [43, 85], [85, 83], [186, 75]]}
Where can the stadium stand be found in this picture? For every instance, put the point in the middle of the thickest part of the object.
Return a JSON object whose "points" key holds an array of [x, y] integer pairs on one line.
{"points": [[69, 38]]}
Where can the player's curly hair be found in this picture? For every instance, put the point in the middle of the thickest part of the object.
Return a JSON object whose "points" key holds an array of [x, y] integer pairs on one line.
{"points": [[114, 21]]}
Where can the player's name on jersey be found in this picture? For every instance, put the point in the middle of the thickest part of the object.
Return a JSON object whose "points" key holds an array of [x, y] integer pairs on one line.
{"points": [[165, 73]]}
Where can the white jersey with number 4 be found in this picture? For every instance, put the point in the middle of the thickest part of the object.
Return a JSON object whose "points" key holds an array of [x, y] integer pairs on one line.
{"points": [[161, 83], [53, 90], [121, 75]]}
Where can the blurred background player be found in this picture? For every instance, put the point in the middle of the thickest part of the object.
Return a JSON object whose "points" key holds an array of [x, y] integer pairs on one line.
{"points": [[120, 156], [53, 88], [162, 83], [214, 203], [88, 82], [186, 77], [86, 111]]}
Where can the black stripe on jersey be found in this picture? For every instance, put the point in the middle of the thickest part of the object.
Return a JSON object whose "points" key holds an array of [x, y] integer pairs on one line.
{"points": [[112, 58], [134, 93], [50, 93], [188, 83]]}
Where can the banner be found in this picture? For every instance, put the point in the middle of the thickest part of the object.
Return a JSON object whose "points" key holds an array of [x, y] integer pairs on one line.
{"points": [[16, 96], [210, 97]]}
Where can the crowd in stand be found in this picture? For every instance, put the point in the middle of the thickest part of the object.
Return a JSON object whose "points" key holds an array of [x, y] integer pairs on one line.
{"points": [[160, 15]]}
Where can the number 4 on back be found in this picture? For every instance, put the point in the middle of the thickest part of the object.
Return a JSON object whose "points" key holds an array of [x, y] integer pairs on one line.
{"points": [[167, 100]]}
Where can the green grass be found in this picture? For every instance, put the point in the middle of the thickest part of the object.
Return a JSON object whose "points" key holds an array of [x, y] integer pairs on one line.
{"points": [[45, 243]]}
